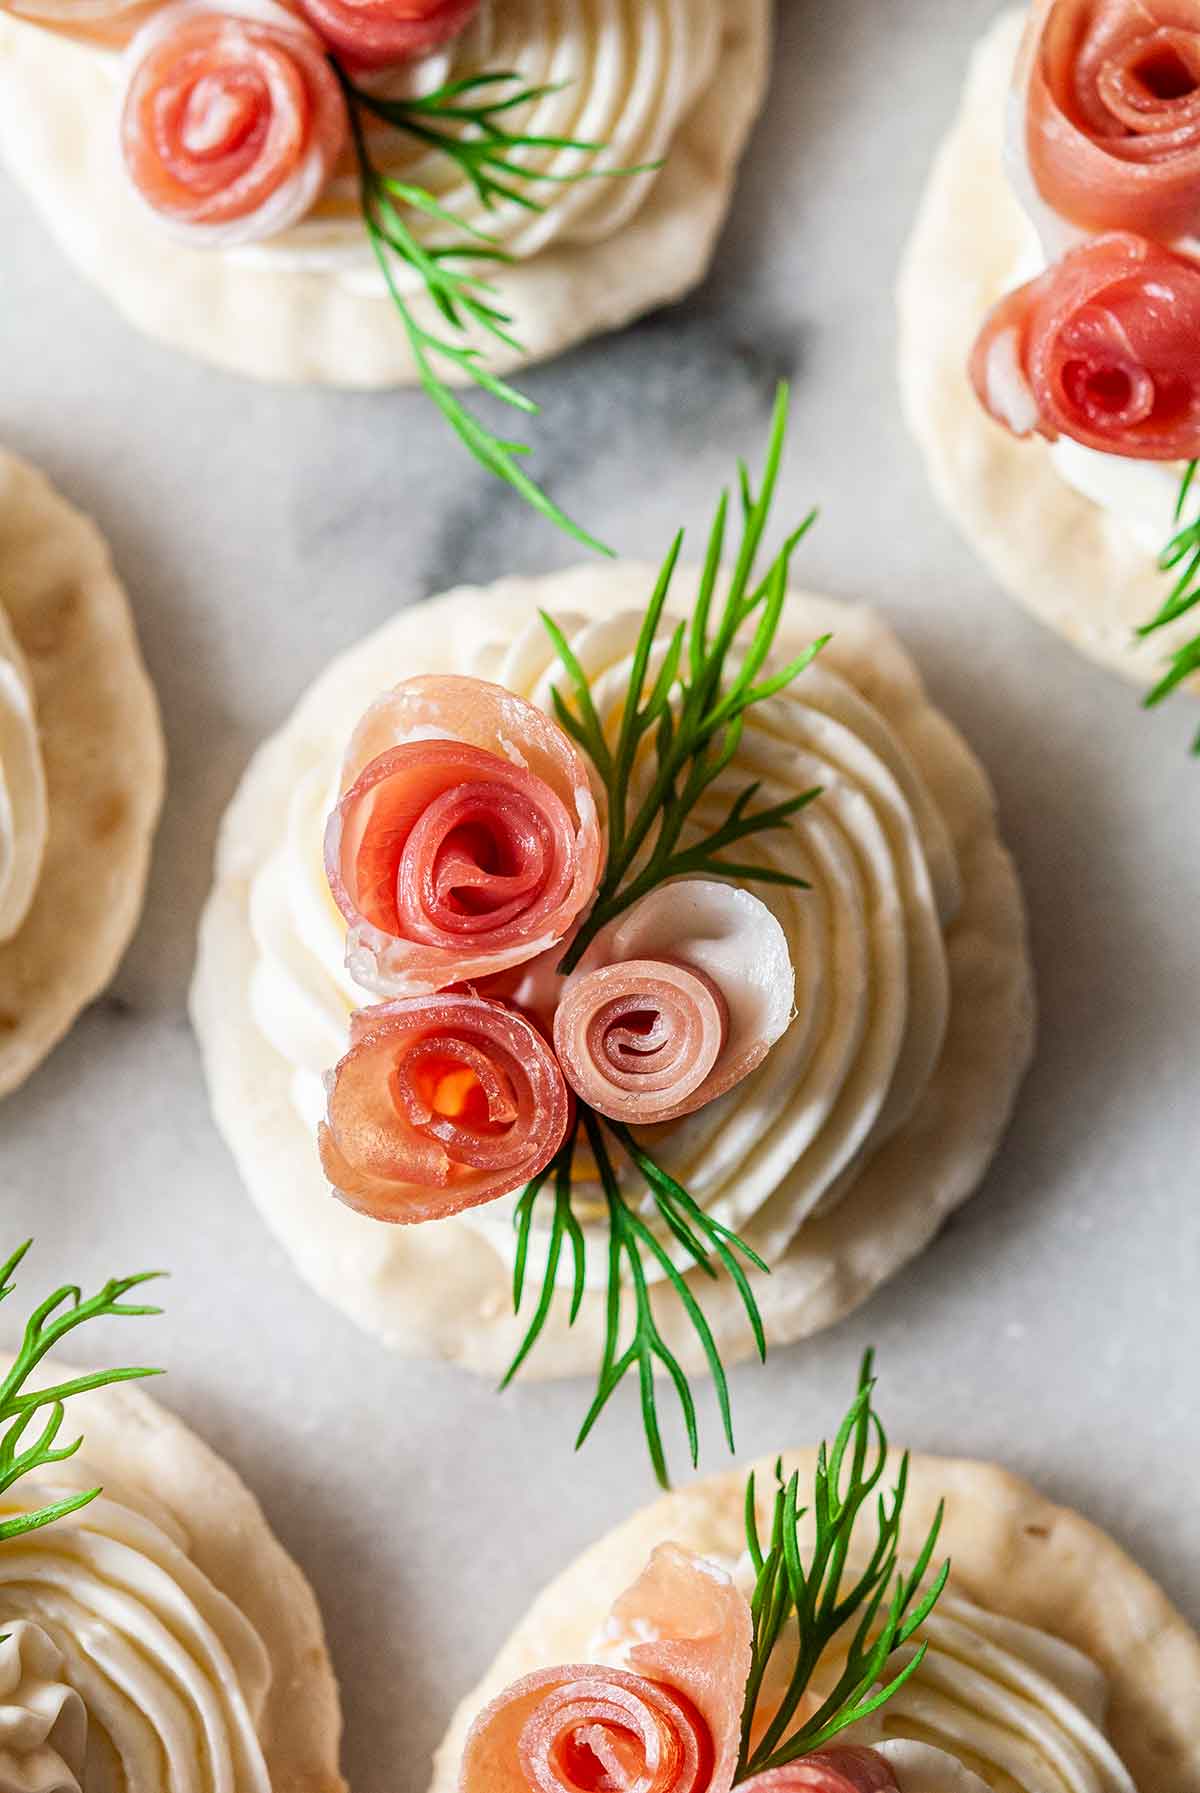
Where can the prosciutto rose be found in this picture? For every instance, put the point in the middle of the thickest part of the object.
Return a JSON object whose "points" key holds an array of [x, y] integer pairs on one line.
{"points": [[374, 33], [441, 1104], [232, 119], [1113, 113], [670, 1723], [467, 840], [675, 1002], [1104, 348]]}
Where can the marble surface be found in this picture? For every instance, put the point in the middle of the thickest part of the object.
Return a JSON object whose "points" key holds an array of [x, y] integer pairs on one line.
{"points": [[1054, 1325]]}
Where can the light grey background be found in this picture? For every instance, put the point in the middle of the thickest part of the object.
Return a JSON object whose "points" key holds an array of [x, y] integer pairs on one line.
{"points": [[1056, 1323]]}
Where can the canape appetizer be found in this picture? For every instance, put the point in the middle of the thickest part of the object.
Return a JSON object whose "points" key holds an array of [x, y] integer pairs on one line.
{"points": [[381, 192], [841, 1623], [1050, 324], [153, 1634], [81, 769], [612, 964]]}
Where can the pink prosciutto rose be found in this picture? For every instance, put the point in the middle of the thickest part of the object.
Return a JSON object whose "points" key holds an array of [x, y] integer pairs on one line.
{"points": [[1112, 120], [1104, 348], [467, 840], [232, 119], [442, 1103], [675, 1002], [374, 33]]}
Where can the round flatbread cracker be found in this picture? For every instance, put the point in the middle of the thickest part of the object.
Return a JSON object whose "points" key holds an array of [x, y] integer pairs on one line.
{"points": [[144, 1451], [442, 1289], [104, 758], [58, 139], [1068, 560], [1013, 1552]]}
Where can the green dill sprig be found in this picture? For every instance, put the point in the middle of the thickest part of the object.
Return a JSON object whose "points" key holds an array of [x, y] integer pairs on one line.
{"points": [[881, 1608], [1182, 551], [483, 147], [693, 717], [695, 712], [479, 140], [41, 1411], [631, 1241]]}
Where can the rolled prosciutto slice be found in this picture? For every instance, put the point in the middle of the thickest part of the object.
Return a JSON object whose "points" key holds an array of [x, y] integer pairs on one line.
{"points": [[374, 33], [670, 1723], [1104, 348], [1112, 130], [232, 119], [675, 1002], [441, 1104], [840, 1769], [467, 840]]}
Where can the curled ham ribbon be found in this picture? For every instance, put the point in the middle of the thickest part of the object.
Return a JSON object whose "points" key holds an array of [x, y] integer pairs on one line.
{"points": [[1113, 113], [1104, 347], [580, 1729], [374, 33], [675, 1002], [843, 1769], [467, 840], [671, 1723], [232, 119], [441, 1104]]}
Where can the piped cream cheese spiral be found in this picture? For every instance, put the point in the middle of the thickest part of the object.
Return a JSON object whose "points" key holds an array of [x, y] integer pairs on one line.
{"points": [[43, 1724], [172, 1677], [866, 942], [24, 818], [1020, 1708]]}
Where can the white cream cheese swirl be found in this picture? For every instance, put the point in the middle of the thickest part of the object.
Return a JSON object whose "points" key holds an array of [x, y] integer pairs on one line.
{"points": [[24, 819], [43, 1724], [1018, 1707], [866, 942], [172, 1677]]}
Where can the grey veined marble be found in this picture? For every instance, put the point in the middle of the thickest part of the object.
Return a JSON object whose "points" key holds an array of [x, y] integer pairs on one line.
{"points": [[1055, 1325]]}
